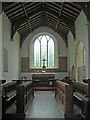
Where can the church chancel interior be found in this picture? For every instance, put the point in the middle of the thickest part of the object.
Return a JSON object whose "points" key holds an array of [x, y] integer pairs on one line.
{"points": [[45, 60]]}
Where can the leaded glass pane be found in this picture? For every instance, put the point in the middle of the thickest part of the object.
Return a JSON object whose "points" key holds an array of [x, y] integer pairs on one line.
{"points": [[50, 53], [37, 53], [44, 51], [47, 37]]}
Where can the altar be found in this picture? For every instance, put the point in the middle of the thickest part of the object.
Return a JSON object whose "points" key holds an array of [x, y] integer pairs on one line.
{"points": [[43, 75], [43, 80]]}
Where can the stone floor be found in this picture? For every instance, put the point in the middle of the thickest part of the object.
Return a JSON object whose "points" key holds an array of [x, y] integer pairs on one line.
{"points": [[44, 105]]}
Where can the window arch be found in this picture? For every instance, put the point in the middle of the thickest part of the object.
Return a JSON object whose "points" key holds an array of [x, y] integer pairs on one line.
{"points": [[43, 52]]}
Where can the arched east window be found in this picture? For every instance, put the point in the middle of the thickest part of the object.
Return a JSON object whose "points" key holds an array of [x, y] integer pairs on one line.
{"points": [[44, 52]]}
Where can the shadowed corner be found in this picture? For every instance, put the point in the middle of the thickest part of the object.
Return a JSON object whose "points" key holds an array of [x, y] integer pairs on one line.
{"points": [[0, 7]]}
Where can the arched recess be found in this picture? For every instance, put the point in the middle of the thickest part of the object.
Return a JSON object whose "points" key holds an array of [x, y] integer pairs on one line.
{"points": [[73, 73], [80, 61]]}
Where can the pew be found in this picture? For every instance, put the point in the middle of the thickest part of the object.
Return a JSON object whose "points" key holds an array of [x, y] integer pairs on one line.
{"points": [[16, 97], [64, 94], [24, 97], [8, 96], [80, 90]]}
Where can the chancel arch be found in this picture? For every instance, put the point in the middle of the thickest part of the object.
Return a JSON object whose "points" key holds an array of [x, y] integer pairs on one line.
{"points": [[80, 61]]}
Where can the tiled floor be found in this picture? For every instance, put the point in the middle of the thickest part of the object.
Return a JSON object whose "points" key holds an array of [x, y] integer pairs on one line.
{"points": [[44, 105]]}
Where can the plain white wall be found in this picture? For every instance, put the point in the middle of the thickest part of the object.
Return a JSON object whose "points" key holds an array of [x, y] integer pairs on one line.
{"points": [[25, 48], [0, 46], [0, 65], [13, 48], [81, 33]]}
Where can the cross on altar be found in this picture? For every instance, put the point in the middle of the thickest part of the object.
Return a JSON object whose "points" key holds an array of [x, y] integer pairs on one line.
{"points": [[44, 62]]}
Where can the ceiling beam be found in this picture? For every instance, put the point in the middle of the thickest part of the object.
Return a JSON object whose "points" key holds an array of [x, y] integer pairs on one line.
{"points": [[59, 16], [26, 33], [7, 5], [72, 7], [16, 24], [27, 17], [85, 6], [14, 9], [36, 17], [15, 27], [31, 14], [69, 23], [62, 35], [43, 9], [50, 17], [23, 36], [0, 7]]}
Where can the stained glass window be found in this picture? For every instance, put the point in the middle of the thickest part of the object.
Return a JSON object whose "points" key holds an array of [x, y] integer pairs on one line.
{"points": [[44, 51]]}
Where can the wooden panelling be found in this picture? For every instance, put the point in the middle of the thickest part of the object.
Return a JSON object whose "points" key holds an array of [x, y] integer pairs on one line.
{"points": [[61, 68], [63, 64], [5, 60], [24, 64]]}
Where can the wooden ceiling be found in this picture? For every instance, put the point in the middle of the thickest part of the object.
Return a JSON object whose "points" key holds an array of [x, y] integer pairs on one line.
{"points": [[28, 16]]}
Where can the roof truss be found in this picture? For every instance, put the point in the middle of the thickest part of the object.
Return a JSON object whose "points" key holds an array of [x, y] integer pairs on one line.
{"points": [[59, 16]]}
